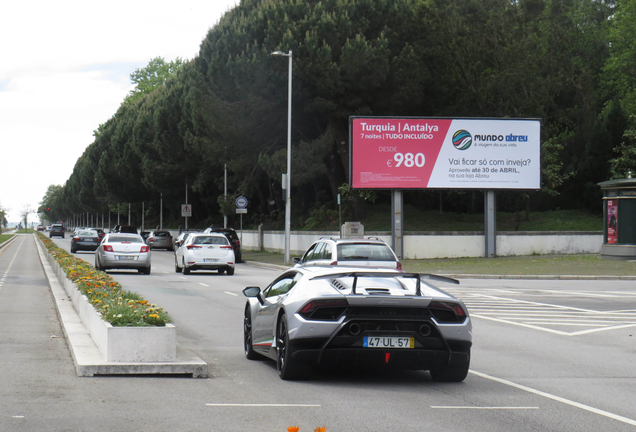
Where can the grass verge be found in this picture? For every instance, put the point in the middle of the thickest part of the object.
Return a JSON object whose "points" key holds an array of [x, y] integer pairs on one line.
{"points": [[540, 265]]}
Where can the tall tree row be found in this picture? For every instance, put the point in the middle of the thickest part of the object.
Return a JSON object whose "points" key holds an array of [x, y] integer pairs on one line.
{"points": [[568, 62]]}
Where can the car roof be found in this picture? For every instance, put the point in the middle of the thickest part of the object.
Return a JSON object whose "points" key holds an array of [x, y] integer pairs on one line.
{"points": [[353, 240]]}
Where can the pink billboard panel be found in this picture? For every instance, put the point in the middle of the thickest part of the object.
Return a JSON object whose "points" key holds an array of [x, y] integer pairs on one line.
{"points": [[612, 221], [419, 153]]}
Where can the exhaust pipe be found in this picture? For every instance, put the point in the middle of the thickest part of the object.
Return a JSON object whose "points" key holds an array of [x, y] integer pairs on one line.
{"points": [[425, 330], [355, 329]]}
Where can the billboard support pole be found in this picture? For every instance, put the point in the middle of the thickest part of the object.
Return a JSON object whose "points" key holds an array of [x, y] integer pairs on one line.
{"points": [[490, 212], [397, 223]]}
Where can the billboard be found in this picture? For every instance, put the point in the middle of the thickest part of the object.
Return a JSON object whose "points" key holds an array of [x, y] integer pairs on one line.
{"points": [[420, 153]]}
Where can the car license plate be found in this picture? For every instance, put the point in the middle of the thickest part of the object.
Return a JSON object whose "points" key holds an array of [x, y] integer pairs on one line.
{"points": [[210, 260], [125, 258], [388, 342]]}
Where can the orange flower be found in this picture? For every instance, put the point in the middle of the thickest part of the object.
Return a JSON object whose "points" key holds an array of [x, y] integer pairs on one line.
{"points": [[293, 429], [321, 429]]}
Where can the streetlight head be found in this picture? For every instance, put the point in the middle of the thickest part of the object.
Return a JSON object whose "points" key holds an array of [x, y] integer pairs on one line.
{"points": [[281, 53]]}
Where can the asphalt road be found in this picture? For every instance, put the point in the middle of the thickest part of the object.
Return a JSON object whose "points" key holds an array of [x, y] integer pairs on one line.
{"points": [[547, 356]]}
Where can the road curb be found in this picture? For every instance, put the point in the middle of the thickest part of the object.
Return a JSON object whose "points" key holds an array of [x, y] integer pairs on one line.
{"points": [[89, 361]]}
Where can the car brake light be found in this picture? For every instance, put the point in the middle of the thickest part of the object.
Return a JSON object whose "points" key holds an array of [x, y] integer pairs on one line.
{"points": [[144, 249], [328, 309], [334, 263], [226, 247], [193, 247], [76, 238], [108, 248], [445, 309], [399, 265]]}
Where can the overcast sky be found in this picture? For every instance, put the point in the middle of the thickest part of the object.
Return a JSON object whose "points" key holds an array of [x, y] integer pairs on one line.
{"points": [[65, 68]]}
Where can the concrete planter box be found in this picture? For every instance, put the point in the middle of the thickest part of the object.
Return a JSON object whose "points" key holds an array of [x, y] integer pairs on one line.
{"points": [[120, 344]]}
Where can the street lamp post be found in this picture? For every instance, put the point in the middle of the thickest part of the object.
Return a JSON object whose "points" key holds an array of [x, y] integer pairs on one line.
{"points": [[287, 187]]}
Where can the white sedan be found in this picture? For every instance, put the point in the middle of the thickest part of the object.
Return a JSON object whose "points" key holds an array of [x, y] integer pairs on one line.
{"points": [[205, 252], [123, 251]]}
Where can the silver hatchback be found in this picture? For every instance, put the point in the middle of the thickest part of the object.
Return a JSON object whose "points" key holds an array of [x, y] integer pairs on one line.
{"points": [[123, 251], [160, 240]]}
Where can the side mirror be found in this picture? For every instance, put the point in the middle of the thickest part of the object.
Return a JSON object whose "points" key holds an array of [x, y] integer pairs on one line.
{"points": [[296, 260], [254, 292]]}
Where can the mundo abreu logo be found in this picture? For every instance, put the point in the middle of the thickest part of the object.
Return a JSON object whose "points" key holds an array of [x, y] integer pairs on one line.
{"points": [[462, 139]]}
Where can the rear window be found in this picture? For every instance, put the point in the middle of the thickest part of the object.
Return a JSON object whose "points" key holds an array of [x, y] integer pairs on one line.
{"points": [[210, 240], [162, 234], [366, 252], [87, 233], [120, 239]]}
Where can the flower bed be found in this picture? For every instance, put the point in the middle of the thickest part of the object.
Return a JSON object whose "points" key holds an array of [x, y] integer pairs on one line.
{"points": [[117, 307], [143, 334]]}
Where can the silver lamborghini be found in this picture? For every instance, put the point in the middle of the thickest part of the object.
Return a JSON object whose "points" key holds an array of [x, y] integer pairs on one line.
{"points": [[357, 318]]}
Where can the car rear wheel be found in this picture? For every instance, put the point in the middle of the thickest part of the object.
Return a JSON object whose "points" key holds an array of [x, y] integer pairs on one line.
{"points": [[97, 266], [287, 368], [177, 269], [250, 354], [230, 271], [73, 250], [450, 373], [185, 270], [145, 270]]}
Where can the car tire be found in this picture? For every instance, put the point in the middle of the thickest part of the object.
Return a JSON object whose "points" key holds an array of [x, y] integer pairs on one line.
{"points": [[177, 269], [230, 271], [97, 267], [239, 258], [221, 271], [145, 271], [286, 367], [73, 250], [185, 270], [451, 373], [250, 354]]}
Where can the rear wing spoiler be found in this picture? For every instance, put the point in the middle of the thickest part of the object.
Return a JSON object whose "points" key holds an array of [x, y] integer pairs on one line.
{"points": [[418, 276]]}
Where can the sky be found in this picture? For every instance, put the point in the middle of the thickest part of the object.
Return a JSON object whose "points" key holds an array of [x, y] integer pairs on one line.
{"points": [[65, 68]]}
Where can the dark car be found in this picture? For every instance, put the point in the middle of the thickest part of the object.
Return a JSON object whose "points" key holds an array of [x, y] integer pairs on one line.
{"points": [[56, 230], [231, 235], [85, 240], [144, 235], [128, 229], [160, 240]]}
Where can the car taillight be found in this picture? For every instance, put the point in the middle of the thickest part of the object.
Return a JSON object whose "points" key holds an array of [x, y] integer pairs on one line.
{"points": [[324, 310], [226, 247], [334, 263], [193, 247], [144, 249], [399, 265], [151, 239], [447, 312], [108, 248], [76, 238]]}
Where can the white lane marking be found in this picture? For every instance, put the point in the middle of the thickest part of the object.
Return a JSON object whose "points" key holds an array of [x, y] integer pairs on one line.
{"points": [[557, 398], [265, 405], [205, 285], [231, 293], [17, 416], [6, 272], [484, 408]]}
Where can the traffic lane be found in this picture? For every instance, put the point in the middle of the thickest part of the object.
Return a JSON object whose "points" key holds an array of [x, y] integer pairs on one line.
{"points": [[241, 381], [228, 353], [592, 368]]}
